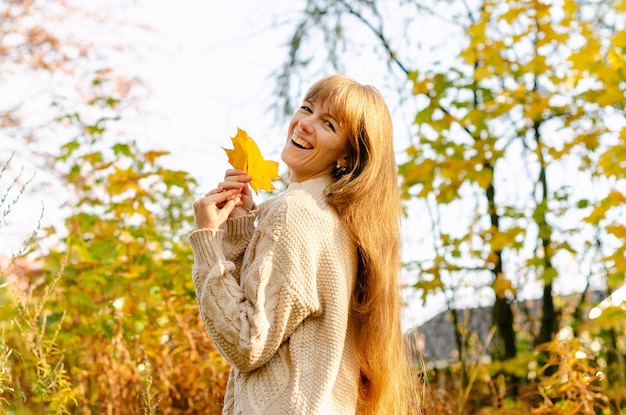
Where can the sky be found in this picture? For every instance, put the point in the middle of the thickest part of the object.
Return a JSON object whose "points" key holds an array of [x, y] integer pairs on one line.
{"points": [[208, 67]]}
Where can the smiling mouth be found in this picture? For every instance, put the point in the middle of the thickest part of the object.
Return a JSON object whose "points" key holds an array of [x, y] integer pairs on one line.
{"points": [[300, 143]]}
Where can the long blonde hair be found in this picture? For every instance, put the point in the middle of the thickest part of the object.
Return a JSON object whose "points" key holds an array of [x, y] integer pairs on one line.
{"points": [[366, 196]]}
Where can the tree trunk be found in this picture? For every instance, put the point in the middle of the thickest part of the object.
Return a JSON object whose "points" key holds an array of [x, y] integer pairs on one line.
{"points": [[502, 311], [549, 316]]}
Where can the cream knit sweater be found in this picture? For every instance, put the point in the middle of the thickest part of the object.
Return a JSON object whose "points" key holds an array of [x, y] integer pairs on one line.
{"points": [[275, 299]]}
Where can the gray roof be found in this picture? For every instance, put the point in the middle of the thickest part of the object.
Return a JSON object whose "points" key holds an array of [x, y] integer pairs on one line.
{"points": [[434, 341]]}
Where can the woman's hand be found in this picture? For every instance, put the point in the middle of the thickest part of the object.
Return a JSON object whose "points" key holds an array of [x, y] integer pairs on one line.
{"points": [[212, 210], [231, 198], [237, 179]]}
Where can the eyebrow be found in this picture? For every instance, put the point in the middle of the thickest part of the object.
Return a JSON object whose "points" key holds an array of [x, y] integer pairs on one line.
{"points": [[326, 114]]}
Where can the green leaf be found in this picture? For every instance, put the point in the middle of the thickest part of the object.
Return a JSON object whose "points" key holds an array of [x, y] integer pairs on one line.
{"points": [[120, 149]]}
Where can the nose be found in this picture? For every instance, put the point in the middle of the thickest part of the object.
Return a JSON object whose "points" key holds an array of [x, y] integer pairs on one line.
{"points": [[305, 124]]}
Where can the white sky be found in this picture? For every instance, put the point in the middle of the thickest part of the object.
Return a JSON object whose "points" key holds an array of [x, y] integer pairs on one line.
{"points": [[209, 73]]}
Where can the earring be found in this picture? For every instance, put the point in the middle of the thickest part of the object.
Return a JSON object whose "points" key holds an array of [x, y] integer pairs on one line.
{"points": [[340, 170]]}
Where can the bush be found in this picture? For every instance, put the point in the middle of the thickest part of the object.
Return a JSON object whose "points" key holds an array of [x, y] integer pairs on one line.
{"points": [[106, 321]]}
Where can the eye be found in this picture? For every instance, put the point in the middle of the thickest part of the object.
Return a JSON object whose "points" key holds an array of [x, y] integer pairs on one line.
{"points": [[305, 108], [330, 125]]}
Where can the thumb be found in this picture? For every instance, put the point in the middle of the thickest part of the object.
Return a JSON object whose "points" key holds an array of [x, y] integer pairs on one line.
{"points": [[228, 207]]}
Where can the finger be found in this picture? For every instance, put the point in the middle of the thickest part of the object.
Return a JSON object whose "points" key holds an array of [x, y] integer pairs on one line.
{"points": [[213, 191], [234, 172], [246, 190], [236, 180], [218, 197], [214, 202], [232, 185], [228, 207]]}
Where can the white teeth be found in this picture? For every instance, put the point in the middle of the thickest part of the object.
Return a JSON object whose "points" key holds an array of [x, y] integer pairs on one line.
{"points": [[301, 143]]}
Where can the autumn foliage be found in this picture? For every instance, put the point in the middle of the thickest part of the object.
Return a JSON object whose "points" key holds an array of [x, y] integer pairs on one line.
{"points": [[109, 321]]}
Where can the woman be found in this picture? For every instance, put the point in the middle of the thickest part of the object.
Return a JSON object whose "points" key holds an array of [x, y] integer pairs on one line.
{"points": [[301, 294]]}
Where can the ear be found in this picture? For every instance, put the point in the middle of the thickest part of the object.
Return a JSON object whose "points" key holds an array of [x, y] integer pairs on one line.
{"points": [[343, 161]]}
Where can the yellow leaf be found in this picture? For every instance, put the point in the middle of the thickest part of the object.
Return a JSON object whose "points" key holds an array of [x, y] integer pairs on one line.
{"points": [[502, 285], [245, 155], [570, 8], [617, 230], [619, 40]]}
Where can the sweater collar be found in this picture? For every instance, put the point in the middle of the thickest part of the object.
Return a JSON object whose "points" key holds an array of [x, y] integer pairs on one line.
{"points": [[315, 187]]}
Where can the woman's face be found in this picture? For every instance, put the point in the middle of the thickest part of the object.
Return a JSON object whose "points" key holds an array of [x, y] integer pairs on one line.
{"points": [[315, 142]]}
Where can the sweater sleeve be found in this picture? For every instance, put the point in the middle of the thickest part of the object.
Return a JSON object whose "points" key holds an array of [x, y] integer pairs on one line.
{"points": [[248, 319], [237, 234]]}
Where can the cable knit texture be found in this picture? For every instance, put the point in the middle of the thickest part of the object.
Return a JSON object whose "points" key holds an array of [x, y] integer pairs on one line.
{"points": [[274, 291]]}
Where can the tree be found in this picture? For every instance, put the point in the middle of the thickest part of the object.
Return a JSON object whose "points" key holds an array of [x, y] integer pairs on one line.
{"points": [[109, 321], [521, 140]]}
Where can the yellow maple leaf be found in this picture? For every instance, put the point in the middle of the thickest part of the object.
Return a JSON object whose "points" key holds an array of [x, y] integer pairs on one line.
{"points": [[245, 155]]}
